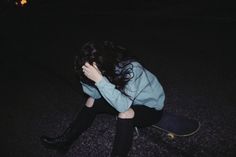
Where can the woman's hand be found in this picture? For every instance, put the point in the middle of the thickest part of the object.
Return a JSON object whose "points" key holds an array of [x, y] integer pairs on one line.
{"points": [[92, 72]]}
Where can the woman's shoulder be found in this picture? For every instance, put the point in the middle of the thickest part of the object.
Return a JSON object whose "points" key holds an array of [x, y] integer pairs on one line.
{"points": [[136, 64], [137, 69]]}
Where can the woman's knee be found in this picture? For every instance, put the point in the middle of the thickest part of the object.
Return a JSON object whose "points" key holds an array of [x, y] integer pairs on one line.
{"points": [[90, 102], [127, 114]]}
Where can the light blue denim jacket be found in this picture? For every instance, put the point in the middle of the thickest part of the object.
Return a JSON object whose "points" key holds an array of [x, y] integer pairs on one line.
{"points": [[143, 89]]}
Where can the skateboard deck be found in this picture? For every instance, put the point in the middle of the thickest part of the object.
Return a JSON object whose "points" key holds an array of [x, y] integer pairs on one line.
{"points": [[176, 125]]}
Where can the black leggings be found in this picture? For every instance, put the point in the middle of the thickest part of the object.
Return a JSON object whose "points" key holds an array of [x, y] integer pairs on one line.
{"points": [[144, 116]]}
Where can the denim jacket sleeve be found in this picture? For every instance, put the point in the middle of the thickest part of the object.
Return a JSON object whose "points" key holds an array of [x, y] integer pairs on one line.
{"points": [[91, 91]]}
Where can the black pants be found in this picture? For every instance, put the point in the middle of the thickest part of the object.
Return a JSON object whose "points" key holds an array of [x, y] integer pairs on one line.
{"points": [[144, 116]]}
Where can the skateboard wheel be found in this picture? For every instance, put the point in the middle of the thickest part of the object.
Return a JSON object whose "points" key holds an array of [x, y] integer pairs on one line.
{"points": [[171, 136]]}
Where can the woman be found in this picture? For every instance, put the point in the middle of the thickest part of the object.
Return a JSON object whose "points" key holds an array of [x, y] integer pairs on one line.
{"points": [[115, 84]]}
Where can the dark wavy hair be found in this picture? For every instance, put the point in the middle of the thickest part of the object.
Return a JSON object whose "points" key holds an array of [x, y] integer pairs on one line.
{"points": [[112, 60]]}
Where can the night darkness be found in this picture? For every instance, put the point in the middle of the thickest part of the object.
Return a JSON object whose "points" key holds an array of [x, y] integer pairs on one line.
{"points": [[188, 45]]}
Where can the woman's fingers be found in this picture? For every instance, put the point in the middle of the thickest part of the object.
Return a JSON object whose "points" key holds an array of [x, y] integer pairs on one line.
{"points": [[86, 70], [90, 68], [87, 65], [95, 66]]}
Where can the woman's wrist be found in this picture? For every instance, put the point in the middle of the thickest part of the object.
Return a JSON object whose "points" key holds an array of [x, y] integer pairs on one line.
{"points": [[99, 79]]}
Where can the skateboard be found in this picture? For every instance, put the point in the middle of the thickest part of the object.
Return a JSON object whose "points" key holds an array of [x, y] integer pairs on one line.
{"points": [[176, 125]]}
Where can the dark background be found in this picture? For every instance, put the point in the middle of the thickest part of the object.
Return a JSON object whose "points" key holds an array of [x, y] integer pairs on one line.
{"points": [[188, 45]]}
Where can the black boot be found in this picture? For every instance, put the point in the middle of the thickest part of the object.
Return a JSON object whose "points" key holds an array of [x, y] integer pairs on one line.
{"points": [[123, 137], [63, 142]]}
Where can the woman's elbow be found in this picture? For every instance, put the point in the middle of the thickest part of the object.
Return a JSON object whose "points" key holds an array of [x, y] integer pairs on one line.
{"points": [[122, 109]]}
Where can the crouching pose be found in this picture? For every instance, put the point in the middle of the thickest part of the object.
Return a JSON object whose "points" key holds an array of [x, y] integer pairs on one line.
{"points": [[114, 84]]}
